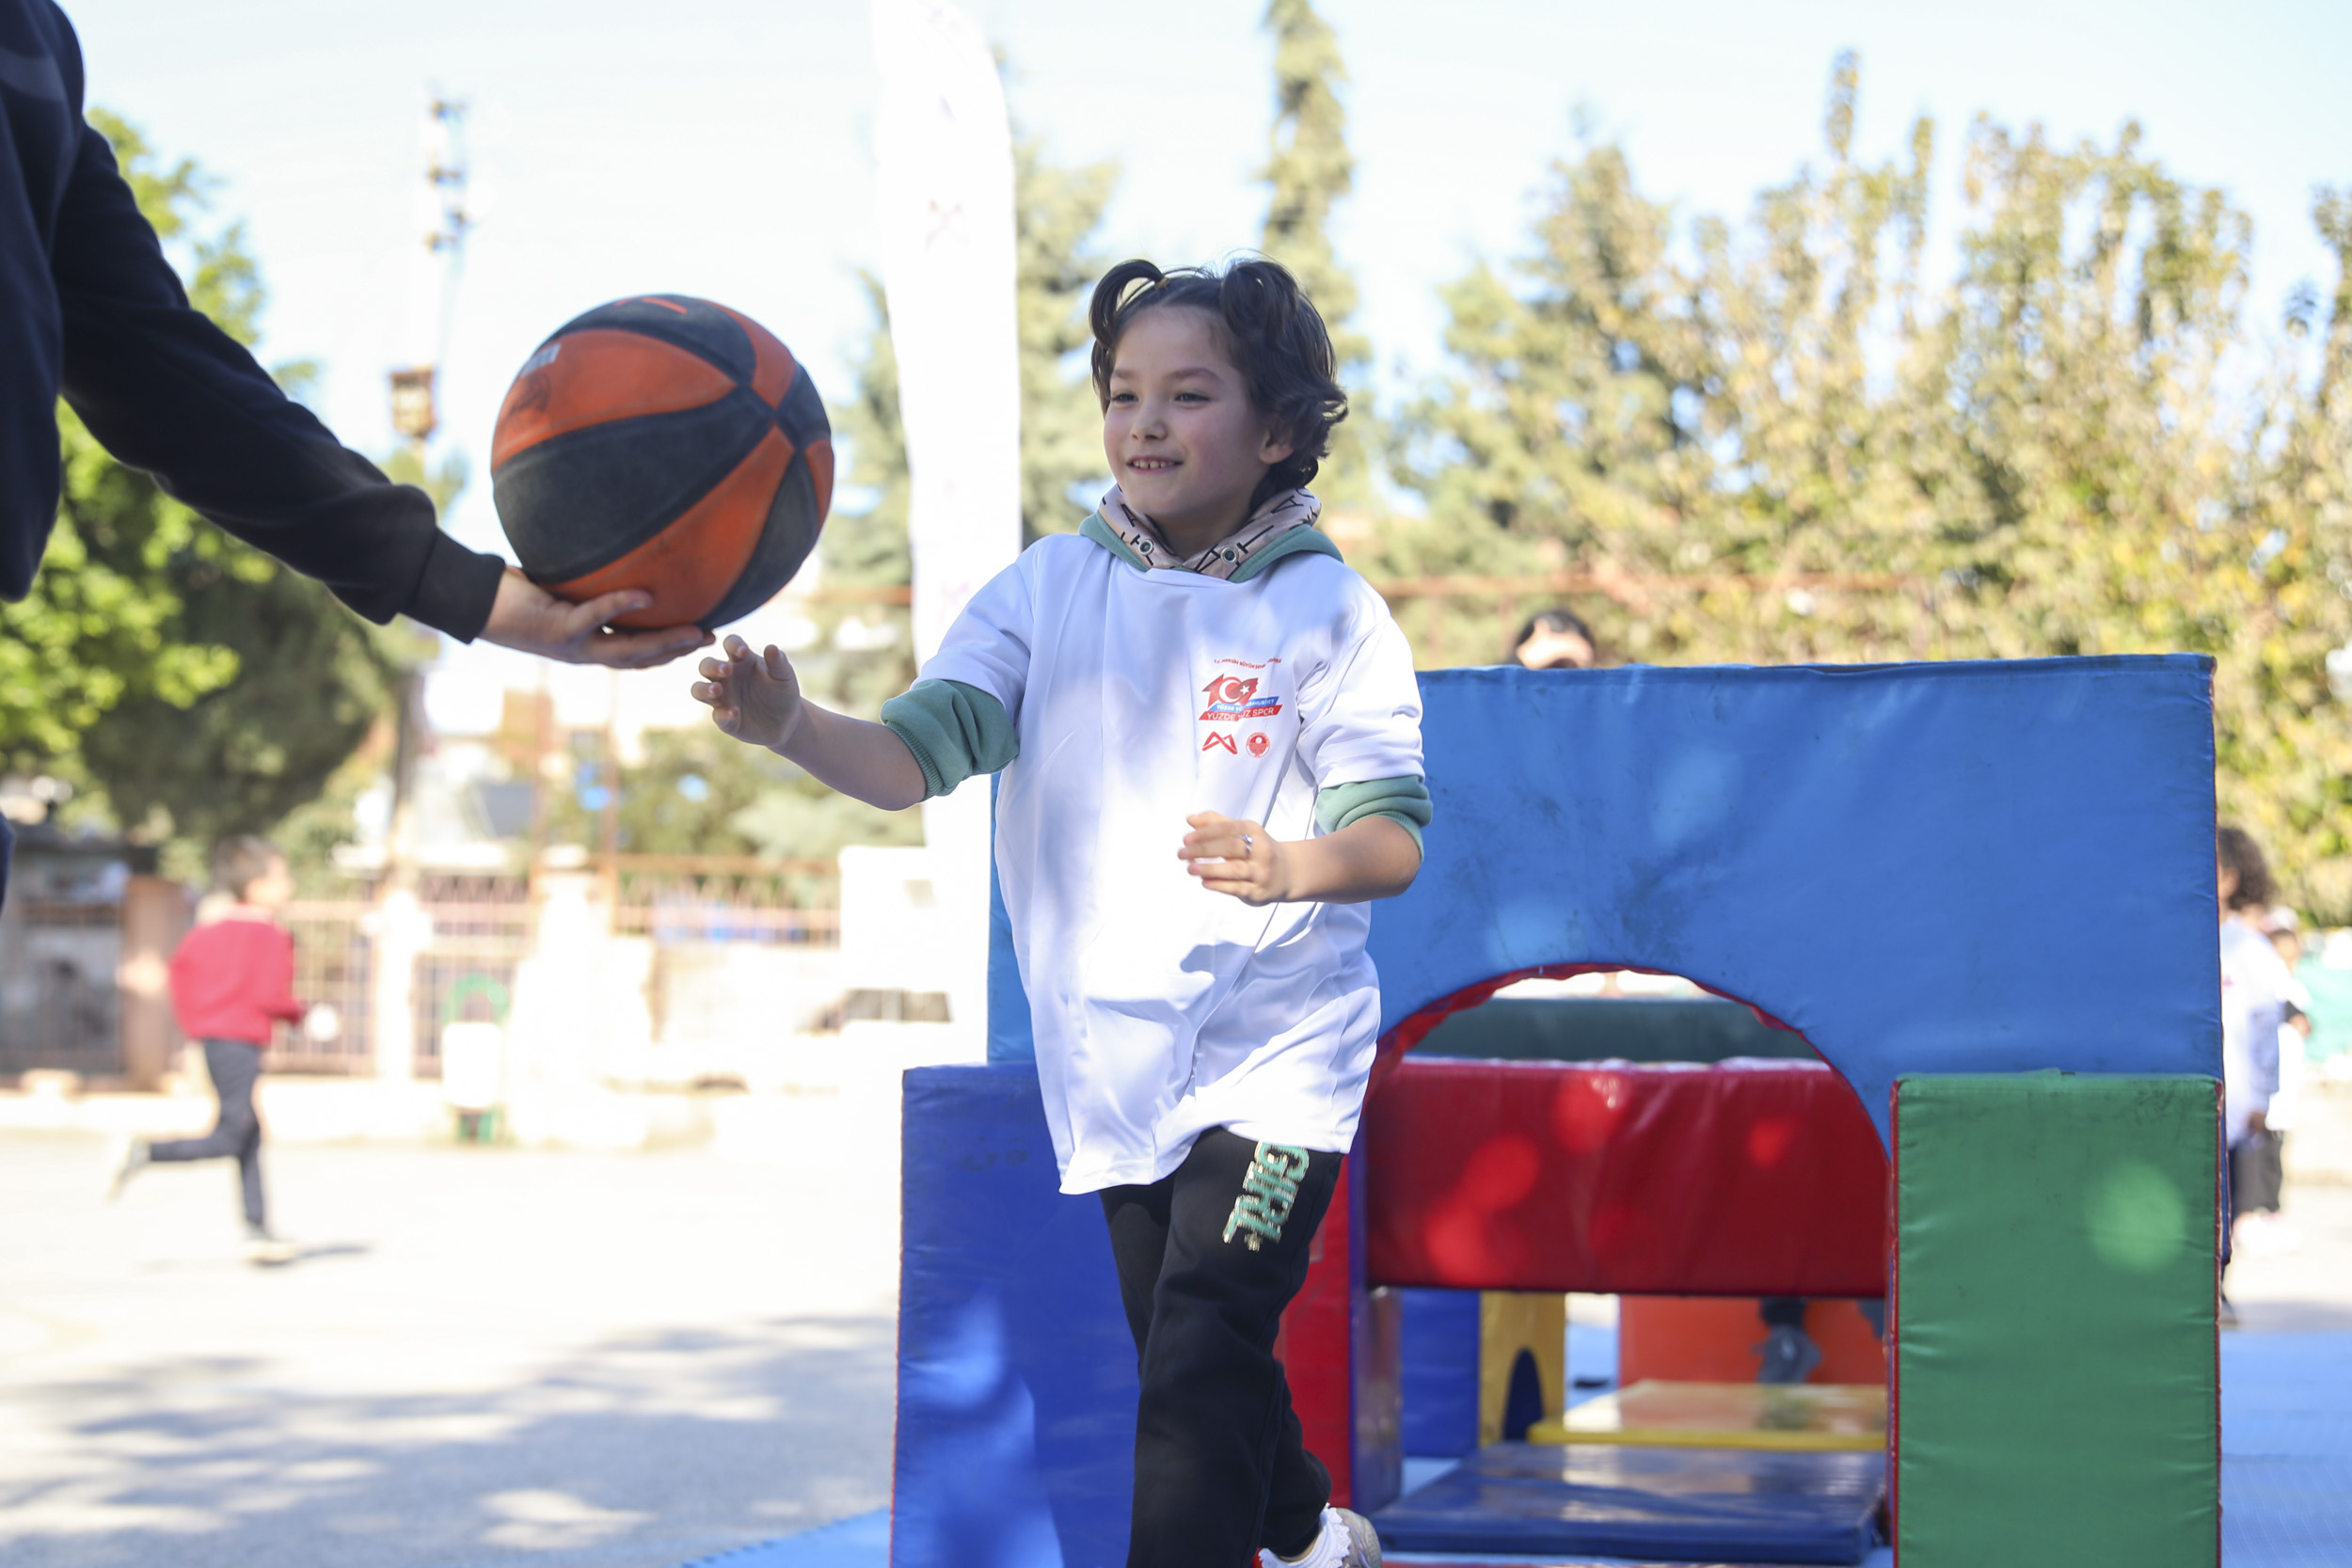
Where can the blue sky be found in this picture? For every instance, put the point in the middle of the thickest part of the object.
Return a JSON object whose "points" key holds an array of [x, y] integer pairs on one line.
{"points": [[720, 146]]}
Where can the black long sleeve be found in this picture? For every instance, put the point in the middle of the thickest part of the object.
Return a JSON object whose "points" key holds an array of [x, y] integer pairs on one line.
{"points": [[164, 390], [39, 124]]}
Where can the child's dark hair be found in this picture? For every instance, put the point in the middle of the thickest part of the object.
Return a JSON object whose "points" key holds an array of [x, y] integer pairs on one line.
{"points": [[2236, 850], [239, 863], [1276, 337], [1559, 622]]}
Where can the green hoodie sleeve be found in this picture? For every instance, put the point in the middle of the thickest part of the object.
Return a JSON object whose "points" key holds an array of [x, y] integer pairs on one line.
{"points": [[954, 731], [1404, 801]]}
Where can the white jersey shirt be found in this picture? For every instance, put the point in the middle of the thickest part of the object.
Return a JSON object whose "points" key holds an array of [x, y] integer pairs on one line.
{"points": [[1162, 1009], [2254, 982]]}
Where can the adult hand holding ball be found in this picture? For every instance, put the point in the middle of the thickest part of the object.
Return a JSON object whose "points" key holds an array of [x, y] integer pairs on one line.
{"points": [[663, 463]]}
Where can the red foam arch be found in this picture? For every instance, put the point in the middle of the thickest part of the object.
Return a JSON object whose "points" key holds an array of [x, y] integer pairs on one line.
{"points": [[1616, 1204]]}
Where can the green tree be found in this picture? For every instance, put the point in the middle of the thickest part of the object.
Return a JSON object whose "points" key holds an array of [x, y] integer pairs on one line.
{"points": [[1057, 212], [1311, 170], [92, 633], [199, 686], [864, 651], [2285, 770], [853, 666], [1774, 445], [698, 792], [98, 627]]}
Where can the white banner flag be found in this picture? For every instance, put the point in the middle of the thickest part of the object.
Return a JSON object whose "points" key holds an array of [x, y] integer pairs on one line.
{"points": [[944, 152]]}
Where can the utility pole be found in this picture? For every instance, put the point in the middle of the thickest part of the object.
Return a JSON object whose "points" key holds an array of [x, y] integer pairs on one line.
{"points": [[401, 927], [446, 220], [442, 214]]}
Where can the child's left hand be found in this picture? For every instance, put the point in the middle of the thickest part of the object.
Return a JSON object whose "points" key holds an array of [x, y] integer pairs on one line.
{"points": [[1238, 858]]}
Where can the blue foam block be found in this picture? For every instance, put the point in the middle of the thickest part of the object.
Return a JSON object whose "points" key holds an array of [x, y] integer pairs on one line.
{"points": [[1439, 1375], [1711, 1505], [1017, 1388], [1010, 1036], [1841, 846]]}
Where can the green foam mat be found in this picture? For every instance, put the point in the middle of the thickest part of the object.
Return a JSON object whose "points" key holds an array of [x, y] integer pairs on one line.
{"points": [[2055, 1397]]}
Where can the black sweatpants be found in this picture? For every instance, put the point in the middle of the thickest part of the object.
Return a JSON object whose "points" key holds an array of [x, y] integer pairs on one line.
{"points": [[2257, 1174], [1208, 1256], [237, 1132]]}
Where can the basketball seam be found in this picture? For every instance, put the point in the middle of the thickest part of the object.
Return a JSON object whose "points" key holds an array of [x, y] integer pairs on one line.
{"points": [[729, 609], [661, 332], [799, 431], [552, 447], [606, 418], [709, 549]]}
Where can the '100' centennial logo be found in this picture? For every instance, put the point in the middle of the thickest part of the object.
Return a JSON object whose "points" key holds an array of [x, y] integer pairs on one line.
{"points": [[1233, 698]]}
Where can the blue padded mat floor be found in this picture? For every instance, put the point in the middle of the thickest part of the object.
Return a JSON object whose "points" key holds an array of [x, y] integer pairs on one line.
{"points": [[2286, 1450], [2286, 1477], [860, 1543], [1881, 1557], [1715, 1504]]}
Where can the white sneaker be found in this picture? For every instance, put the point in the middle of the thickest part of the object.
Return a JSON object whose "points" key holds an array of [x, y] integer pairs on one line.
{"points": [[268, 1250], [1348, 1541], [126, 1157], [2266, 1235]]}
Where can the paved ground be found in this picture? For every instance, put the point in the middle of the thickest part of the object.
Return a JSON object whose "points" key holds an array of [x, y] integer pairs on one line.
{"points": [[485, 1356], [2308, 1290], [498, 1357]]}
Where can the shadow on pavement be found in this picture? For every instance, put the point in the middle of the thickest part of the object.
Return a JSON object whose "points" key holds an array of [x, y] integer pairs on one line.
{"points": [[2292, 1316], [642, 1452]]}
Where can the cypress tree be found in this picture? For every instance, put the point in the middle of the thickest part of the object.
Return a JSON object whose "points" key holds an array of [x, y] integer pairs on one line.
{"points": [[1308, 171]]}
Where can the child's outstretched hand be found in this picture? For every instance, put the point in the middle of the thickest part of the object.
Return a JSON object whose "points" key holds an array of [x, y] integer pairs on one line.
{"points": [[1238, 858], [752, 697]]}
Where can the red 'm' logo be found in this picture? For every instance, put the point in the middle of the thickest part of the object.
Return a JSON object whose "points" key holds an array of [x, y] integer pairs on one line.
{"points": [[1215, 740]]}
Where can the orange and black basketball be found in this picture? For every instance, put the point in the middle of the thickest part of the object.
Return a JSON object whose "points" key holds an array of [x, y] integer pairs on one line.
{"points": [[668, 444]]}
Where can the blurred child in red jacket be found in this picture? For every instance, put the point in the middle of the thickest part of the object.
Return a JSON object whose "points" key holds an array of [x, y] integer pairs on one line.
{"points": [[231, 984]]}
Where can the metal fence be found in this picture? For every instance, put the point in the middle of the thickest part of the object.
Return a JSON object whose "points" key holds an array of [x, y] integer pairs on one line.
{"points": [[466, 972], [684, 898], [334, 966], [61, 1005]]}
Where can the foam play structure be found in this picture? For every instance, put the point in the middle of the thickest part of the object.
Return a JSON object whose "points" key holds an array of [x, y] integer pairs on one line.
{"points": [[1981, 893]]}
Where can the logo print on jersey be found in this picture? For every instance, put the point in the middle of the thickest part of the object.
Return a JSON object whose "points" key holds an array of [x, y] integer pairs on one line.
{"points": [[1215, 740], [1257, 743], [1233, 699]]}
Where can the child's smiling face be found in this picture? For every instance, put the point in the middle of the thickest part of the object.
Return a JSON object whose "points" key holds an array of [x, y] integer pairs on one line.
{"points": [[1185, 443]]}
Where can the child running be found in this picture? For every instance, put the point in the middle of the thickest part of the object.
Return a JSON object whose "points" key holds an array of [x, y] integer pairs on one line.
{"points": [[1210, 740], [231, 986]]}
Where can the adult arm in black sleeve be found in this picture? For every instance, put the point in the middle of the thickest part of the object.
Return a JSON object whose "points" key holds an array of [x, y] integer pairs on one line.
{"points": [[37, 126], [167, 390], [164, 390]]}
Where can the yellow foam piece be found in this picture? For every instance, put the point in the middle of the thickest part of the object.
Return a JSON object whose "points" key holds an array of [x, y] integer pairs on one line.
{"points": [[1843, 1417], [1509, 1322]]}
